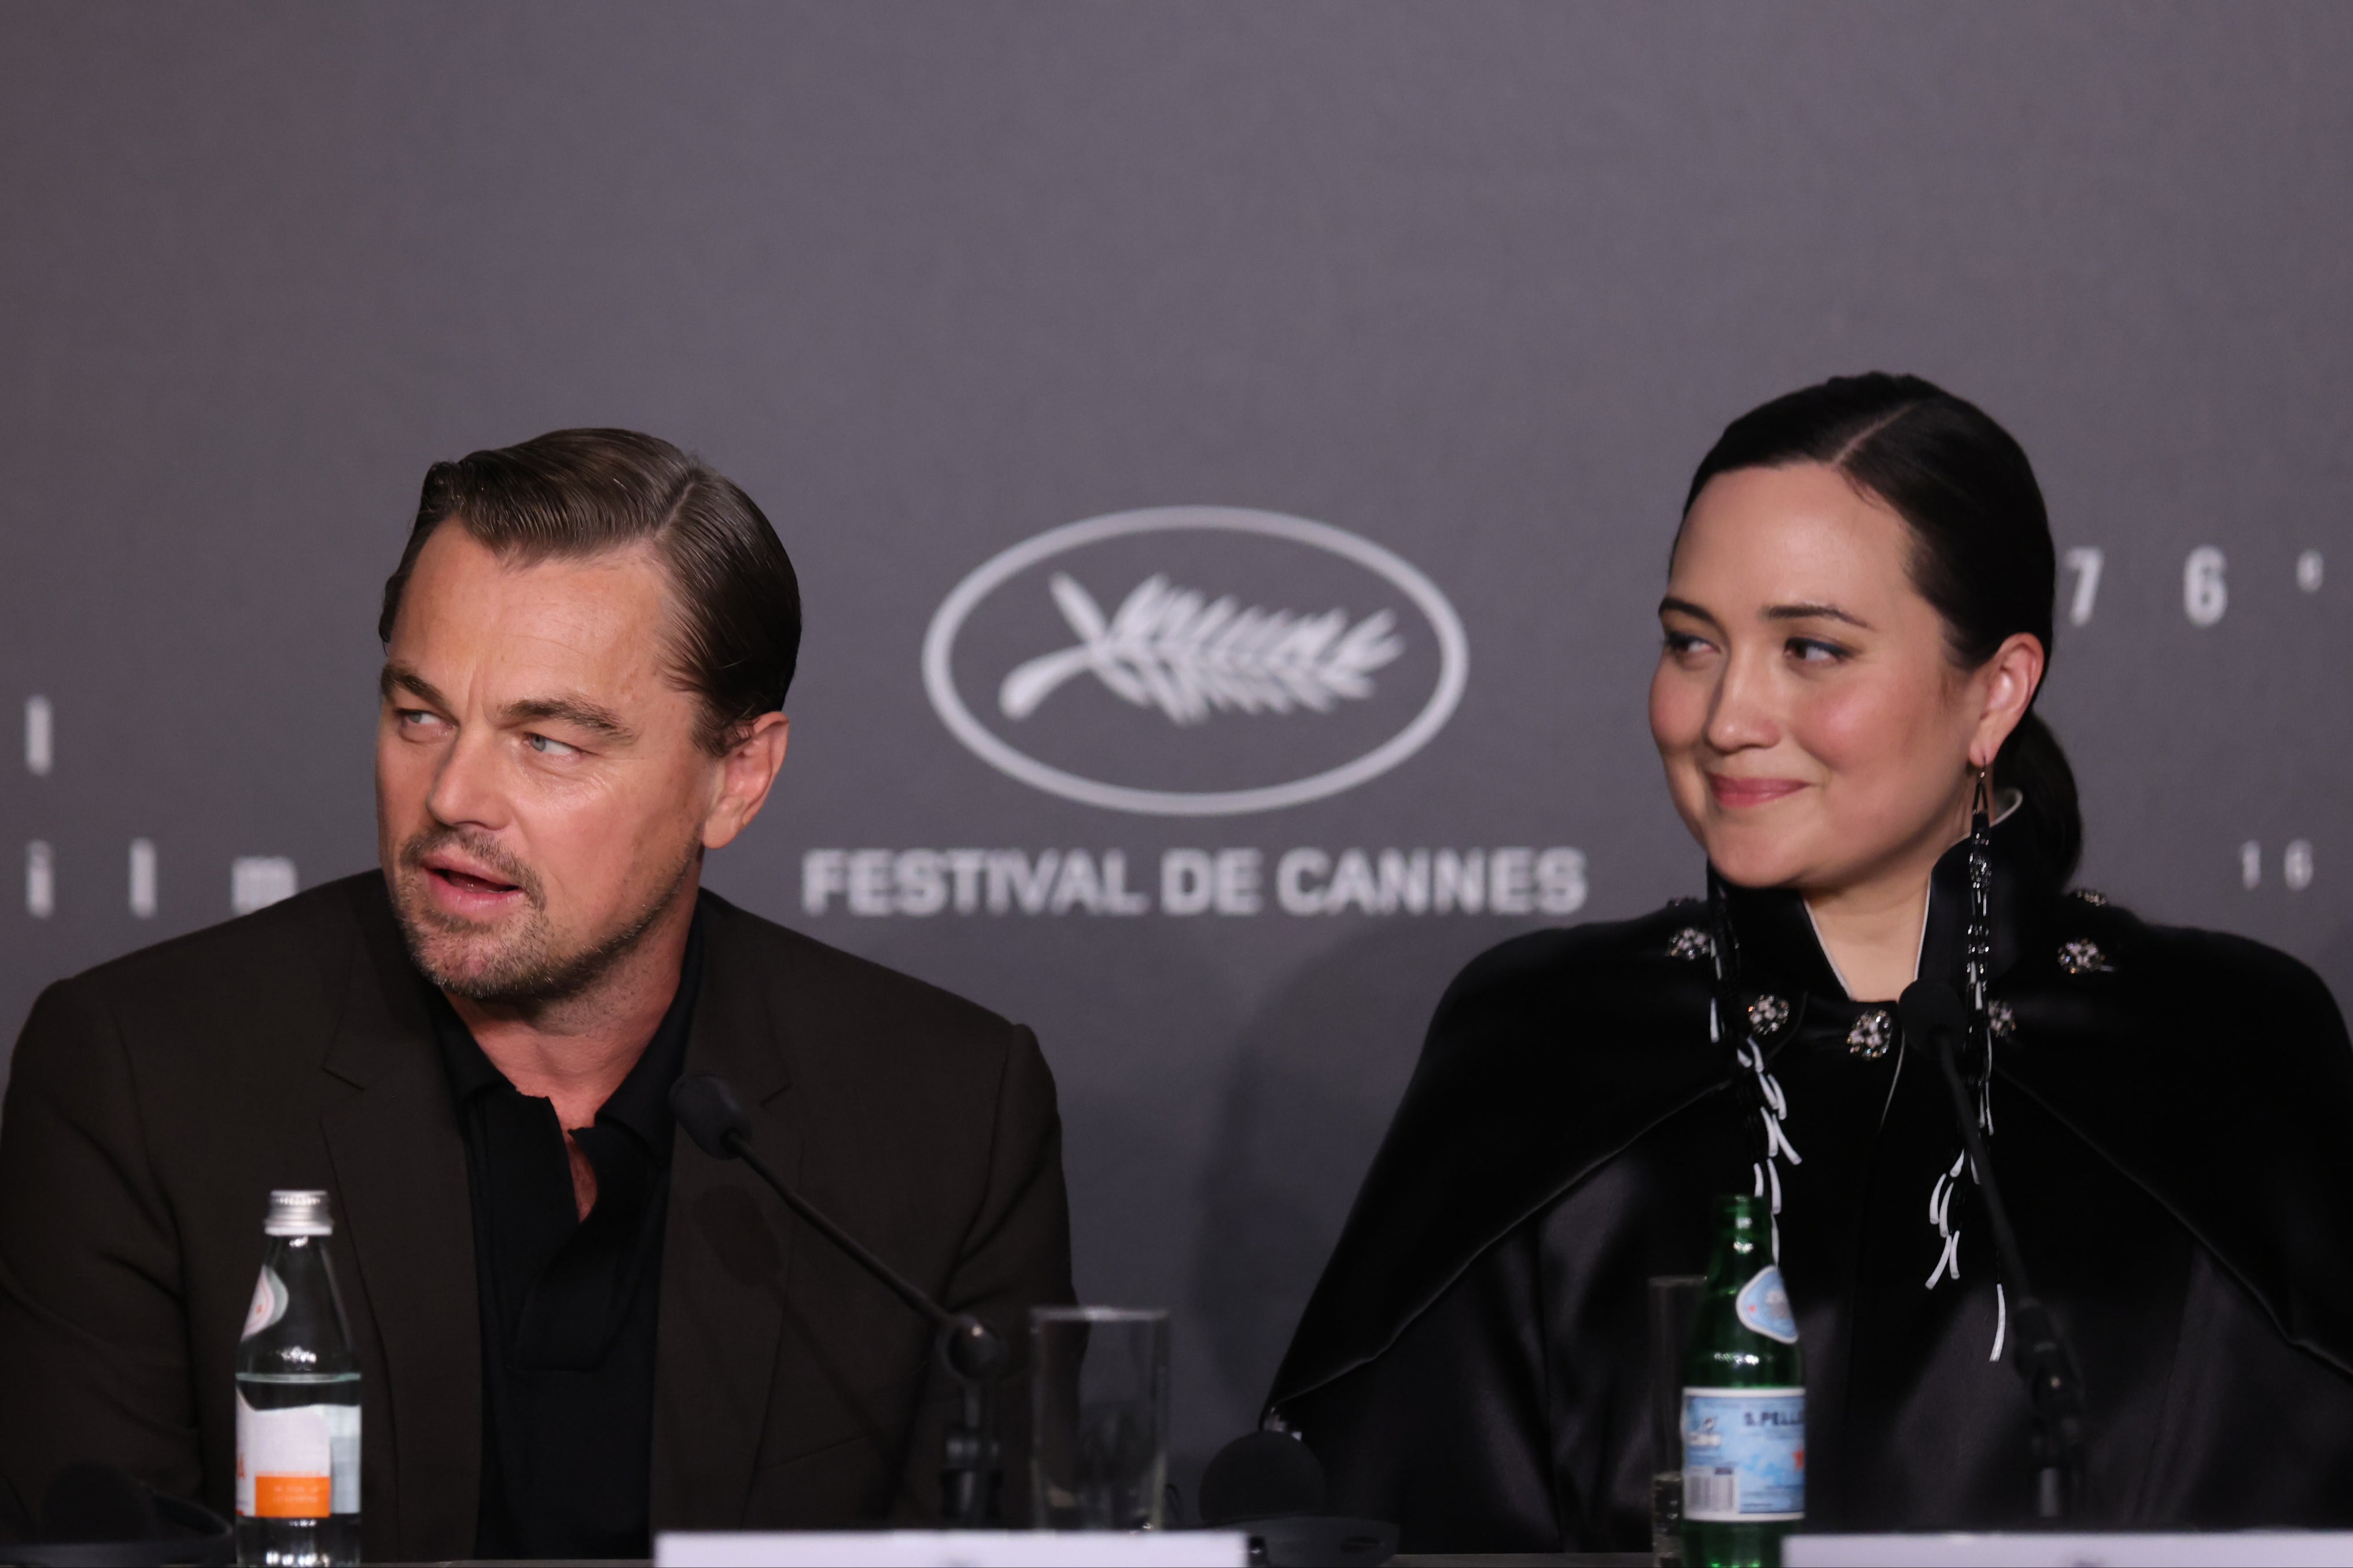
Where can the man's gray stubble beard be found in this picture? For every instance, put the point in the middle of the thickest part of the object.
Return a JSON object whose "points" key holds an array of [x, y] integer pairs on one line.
{"points": [[528, 973]]}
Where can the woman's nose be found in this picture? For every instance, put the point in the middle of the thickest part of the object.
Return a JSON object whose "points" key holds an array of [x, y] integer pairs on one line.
{"points": [[1742, 715]]}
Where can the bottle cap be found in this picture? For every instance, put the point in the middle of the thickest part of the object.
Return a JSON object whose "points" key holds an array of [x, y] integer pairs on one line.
{"points": [[298, 1213]]}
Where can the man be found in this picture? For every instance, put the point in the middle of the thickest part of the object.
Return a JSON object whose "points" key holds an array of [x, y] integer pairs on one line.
{"points": [[574, 1328]]}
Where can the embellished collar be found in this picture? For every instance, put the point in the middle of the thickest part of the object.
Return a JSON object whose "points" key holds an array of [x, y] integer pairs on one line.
{"points": [[1775, 949]]}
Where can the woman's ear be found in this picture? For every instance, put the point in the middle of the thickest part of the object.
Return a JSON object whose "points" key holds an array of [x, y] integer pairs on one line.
{"points": [[2004, 685]]}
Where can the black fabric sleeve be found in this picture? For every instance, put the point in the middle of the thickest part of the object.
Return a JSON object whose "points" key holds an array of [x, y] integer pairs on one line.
{"points": [[2256, 1432], [1015, 1254], [1446, 1435], [93, 1346]]}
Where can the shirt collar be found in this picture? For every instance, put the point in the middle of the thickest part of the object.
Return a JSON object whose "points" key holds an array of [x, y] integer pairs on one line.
{"points": [[640, 1105]]}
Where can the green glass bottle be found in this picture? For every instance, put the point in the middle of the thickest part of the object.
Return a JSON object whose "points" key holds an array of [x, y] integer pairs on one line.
{"points": [[1744, 1401]]}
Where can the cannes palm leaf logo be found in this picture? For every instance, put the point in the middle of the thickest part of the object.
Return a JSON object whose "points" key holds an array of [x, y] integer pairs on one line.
{"points": [[1188, 655]]}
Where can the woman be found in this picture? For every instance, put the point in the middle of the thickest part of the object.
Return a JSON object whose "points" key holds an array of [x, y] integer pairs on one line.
{"points": [[1857, 621]]}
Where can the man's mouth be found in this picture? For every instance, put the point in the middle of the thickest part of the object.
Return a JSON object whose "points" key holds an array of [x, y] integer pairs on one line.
{"points": [[465, 882]]}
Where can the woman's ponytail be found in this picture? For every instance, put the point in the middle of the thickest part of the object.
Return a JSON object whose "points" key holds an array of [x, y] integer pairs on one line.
{"points": [[2033, 763]]}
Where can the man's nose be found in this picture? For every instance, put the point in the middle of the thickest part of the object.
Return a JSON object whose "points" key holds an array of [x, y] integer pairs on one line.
{"points": [[467, 789]]}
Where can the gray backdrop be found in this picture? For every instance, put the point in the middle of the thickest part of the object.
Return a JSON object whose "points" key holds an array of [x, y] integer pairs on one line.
{"points": [[1476, 284]]}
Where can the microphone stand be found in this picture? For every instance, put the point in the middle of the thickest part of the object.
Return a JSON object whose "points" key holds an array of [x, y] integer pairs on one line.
{"points": [[972, 1467], [2037, 1350]]}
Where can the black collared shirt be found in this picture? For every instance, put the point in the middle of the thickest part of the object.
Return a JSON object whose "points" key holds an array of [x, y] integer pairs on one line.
{"points": [[567, 1304]]}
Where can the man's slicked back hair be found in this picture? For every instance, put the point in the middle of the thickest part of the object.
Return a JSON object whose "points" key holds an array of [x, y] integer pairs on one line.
{"points": [[572, 494]]}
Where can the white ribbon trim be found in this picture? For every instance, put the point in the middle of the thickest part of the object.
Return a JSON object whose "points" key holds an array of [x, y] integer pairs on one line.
{"points": [[1773, 1109]]}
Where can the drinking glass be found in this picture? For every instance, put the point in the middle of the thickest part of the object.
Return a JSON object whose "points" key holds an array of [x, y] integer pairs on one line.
{"points": [[1099, 1458], [1674, 1301]]}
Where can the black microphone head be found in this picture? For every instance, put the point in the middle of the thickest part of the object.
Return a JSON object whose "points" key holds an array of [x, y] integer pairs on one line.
{"points": [[1261, 1474], [972, 1349], [708, 1109], [1927, 1006]]}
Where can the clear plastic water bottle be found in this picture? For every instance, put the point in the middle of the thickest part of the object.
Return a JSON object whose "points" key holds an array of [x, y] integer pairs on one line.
{"points": [[298, 1401]]}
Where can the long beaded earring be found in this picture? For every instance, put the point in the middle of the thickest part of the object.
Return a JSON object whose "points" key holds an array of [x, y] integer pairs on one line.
{"points": [[1980, 926], [1978, 969]]}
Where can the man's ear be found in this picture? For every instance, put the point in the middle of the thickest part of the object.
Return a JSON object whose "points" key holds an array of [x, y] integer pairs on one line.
{"points": [[745, 776], [2009, 679]]}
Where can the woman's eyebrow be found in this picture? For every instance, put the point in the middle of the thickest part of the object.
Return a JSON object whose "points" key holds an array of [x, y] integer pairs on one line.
{"points": [[1815, 612], [1685, 607]]}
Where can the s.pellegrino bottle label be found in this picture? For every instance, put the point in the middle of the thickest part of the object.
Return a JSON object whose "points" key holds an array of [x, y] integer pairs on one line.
{"points": [[1744, 1401], [1745, 1454], [298, 1401]]}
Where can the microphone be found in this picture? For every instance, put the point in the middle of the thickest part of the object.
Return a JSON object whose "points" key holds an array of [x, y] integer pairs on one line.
{"points": [[972, 1471], [1932, 1014], [1261, 1474], [1270, 1486]]}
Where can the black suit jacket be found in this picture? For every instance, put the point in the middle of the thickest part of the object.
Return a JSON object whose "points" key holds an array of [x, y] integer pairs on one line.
{"points": [[155, 1100]]}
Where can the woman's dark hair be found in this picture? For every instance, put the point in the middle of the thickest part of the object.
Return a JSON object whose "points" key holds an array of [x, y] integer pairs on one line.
{"points": [[574, 494], [1982, 536]]}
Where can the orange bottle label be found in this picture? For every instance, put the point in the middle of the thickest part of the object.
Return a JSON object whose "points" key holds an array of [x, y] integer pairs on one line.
{"points": [[293, 1497]]}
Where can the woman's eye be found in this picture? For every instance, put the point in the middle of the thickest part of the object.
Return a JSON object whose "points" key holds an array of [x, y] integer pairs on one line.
{"points": [[1682, 642], [547, 747], [1813, 650]]}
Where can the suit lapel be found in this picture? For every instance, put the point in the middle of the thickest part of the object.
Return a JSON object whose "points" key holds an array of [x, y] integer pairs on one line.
{"points": [[726, 1255], [400, 1171]]}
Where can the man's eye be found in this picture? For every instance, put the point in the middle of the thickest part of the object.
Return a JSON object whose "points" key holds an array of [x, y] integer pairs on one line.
{"points": [[549, 747], [416, 719]]}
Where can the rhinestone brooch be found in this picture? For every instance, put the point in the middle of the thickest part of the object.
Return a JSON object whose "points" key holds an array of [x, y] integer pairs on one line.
{"points": [[1872, 1034], [2088, 894], [2081, 956], [1691, 943], [2001, 1019], [1766, 1016]]}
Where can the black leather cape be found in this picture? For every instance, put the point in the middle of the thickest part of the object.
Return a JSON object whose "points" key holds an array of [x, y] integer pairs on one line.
{"points": [[2173, 1116]]}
